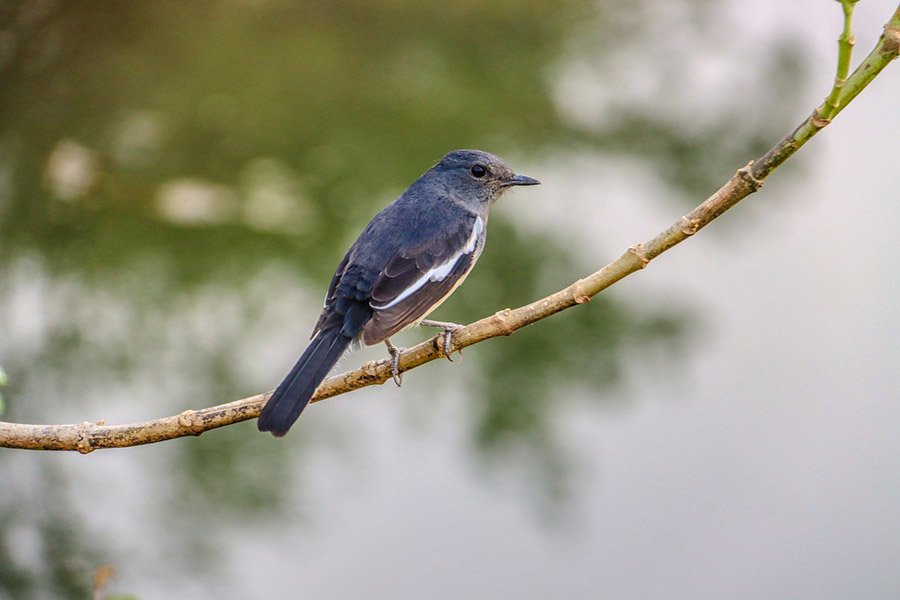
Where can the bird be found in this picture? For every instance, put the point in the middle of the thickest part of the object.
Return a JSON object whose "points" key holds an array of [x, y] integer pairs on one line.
{"points": [[407, 261]]}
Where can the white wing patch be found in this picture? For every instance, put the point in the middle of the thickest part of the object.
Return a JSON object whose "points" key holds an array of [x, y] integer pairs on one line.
{"points": [[439, 272]]}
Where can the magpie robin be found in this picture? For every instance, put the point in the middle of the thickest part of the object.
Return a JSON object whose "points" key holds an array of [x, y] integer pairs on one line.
{"points": [[406, 262]]}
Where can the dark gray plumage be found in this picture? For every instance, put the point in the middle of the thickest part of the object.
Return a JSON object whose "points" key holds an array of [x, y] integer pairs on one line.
{"points": [[406, 262]]}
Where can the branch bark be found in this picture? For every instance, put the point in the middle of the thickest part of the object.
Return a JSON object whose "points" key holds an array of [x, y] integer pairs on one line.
{"points": [[88, 436]]}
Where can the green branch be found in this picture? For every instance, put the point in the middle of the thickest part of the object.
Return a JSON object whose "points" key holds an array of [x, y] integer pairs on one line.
{"points": [[885, 51], [845, 51]]}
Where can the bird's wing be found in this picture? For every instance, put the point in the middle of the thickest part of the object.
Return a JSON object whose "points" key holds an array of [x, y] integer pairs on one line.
{"points": [[420, 276], [332, 290]]}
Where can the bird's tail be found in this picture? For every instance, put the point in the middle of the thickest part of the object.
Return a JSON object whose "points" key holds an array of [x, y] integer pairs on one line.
{"points": [[292, 396]]}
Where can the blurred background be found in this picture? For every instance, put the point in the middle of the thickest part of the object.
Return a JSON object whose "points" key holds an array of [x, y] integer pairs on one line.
{"points": [[179, 180]]}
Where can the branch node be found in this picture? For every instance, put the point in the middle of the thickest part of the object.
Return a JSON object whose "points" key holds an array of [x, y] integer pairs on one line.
{"points": [[638, 252], [371, 367], [689, 226], [84, 445], [188, 420], [891, 42], [578, 293], [818, 121], [746, 173], [501, 318]]}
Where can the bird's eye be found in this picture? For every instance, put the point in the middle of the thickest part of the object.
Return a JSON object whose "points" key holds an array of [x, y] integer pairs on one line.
{"points": [[478, 171]]}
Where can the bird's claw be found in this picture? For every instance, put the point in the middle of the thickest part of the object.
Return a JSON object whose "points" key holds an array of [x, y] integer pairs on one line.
{"points": [[447, 336], [396, 375], [395, 353]]}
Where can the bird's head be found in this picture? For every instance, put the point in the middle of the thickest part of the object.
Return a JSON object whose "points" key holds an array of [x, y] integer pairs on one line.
{"points": [[476, 178]]}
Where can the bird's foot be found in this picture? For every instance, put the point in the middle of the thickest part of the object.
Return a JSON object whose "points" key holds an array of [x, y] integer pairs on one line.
{"points": [[395, 353], [447, 336]]}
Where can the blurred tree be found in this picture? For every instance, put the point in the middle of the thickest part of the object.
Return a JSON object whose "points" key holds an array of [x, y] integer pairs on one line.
{"points": [[168, 169]]}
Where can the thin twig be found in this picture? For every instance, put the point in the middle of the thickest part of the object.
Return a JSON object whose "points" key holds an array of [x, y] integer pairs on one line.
{"points": [[845, 51], [86, 437]]}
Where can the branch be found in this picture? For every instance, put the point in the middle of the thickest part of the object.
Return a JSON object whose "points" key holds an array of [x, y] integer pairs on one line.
{"points": [[845, 50], [86, 437]]}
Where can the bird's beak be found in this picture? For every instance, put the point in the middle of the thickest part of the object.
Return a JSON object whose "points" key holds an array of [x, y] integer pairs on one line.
{"points": [[520, 180]]}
